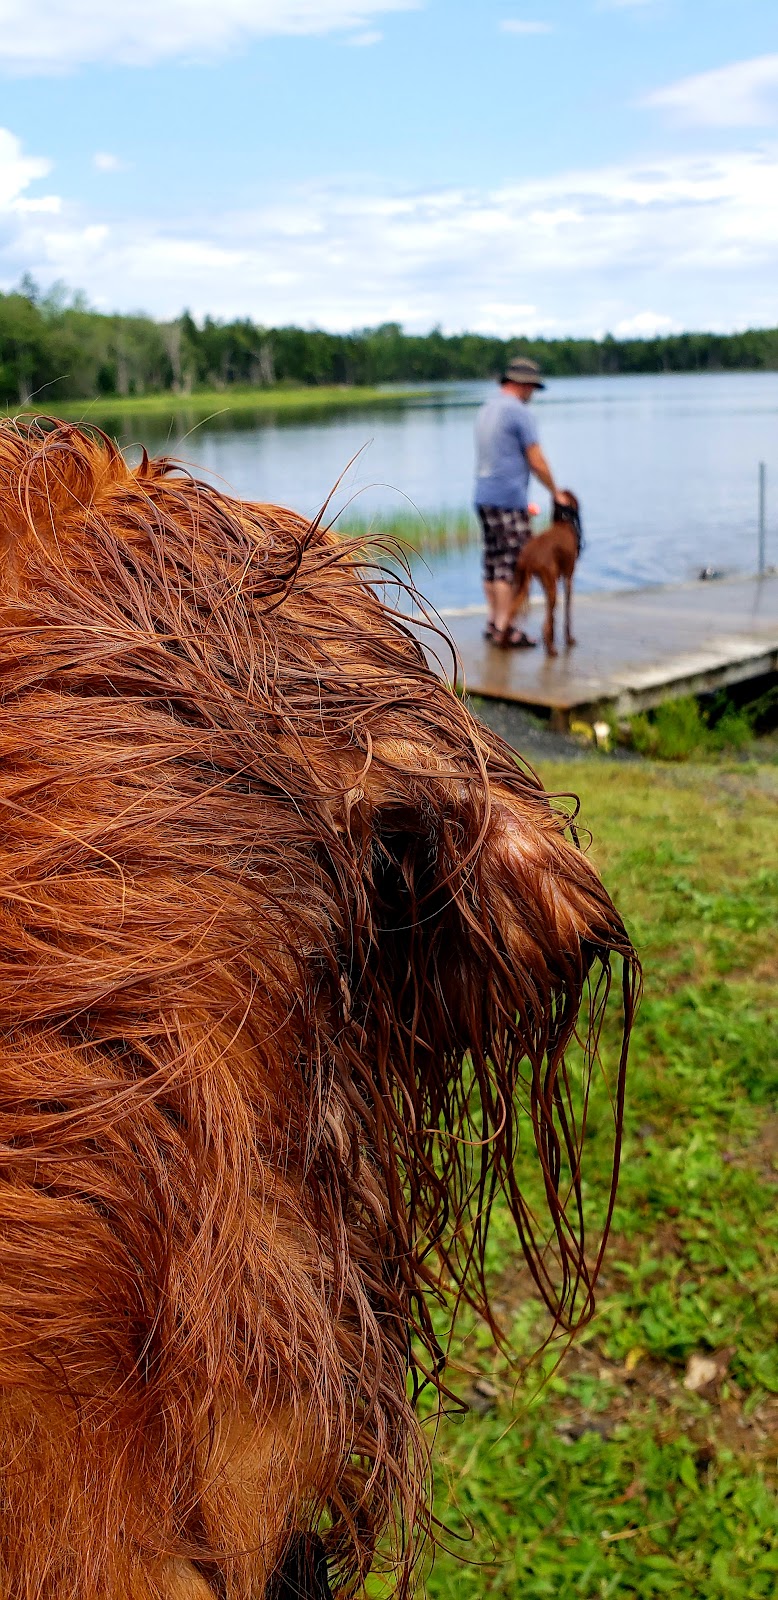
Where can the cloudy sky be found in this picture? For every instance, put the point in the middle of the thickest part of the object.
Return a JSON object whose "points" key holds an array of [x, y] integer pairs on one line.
{"points": [[565, 166]]}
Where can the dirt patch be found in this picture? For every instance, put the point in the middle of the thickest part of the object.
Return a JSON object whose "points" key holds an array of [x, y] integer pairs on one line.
{"points": [[698, 1399], [761, 1156]]}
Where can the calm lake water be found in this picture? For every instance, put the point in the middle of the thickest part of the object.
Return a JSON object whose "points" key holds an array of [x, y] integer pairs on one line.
{"points": [[665, 468]]}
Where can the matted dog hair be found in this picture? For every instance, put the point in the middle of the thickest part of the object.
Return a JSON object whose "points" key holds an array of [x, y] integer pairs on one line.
{"points": [[293, 955]]}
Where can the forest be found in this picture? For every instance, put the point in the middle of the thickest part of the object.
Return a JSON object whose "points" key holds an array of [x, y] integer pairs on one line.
{"points": [[55, 346]]}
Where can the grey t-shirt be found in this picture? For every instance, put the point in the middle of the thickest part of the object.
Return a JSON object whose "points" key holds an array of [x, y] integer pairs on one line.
{"points": [[504, 430]]}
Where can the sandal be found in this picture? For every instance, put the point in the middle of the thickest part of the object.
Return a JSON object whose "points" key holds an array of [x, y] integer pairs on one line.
{"points": [[490, 633], [513, 639]]}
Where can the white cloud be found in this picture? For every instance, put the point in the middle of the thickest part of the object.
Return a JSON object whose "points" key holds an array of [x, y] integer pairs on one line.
{"points": [[58, 35], [363, 40], [644, 325], [742, 95], [17, 171], [580, 252], [505, 316], [515, 25], [103, 161], [48, 204]]}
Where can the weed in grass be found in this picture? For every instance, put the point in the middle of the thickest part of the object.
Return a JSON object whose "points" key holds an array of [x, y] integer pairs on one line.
{"points": [[674, 732], [733, 731], [685, 729]]}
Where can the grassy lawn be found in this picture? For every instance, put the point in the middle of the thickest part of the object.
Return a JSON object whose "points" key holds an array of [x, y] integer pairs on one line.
{"points": [[637, 1471], [212, 402]]}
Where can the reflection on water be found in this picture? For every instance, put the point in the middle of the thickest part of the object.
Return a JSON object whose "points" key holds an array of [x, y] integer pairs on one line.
{"points": [[665, 467]]}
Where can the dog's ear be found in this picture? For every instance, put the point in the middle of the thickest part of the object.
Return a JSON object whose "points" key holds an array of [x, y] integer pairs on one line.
{"points": [[491, 940]]}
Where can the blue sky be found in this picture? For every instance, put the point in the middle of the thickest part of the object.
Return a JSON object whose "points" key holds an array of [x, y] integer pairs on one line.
{"points": [[565, 166]]}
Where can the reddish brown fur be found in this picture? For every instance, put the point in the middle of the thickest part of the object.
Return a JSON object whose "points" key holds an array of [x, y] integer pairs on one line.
{"points": [[550, 557], [291, 950]]}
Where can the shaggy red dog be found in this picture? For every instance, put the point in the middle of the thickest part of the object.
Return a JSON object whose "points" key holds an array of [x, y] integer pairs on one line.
{"points": [[291, 952], [551, 557]]}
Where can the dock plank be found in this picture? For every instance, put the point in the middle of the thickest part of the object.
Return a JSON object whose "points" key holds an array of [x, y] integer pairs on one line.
{"points": [[634, 648]]}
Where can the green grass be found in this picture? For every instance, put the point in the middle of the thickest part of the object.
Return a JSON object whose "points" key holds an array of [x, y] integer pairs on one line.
{"points": [[614, 1479], [212, 402]]}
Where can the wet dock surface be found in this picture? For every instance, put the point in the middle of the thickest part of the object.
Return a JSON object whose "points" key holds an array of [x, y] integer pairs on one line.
{"points": [[634, 649]]}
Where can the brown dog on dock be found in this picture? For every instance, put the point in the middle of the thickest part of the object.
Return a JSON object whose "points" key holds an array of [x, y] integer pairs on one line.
{"points": [[551, 557], [300, 969]]}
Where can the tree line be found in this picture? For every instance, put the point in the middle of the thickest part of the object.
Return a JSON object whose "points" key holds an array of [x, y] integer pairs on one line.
{"points": [[54, 346]]}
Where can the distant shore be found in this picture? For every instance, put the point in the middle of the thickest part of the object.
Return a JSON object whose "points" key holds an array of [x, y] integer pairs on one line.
{"points": [[55, 344], [204, 403]]}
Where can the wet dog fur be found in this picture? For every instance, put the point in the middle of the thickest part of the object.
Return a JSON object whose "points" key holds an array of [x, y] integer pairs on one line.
{"points": [[298, 964]]}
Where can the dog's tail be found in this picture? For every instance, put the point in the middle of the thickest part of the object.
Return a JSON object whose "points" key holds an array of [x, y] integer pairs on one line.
{"points": [[521, 580]]}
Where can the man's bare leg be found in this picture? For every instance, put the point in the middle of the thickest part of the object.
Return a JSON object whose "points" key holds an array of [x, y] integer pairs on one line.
{"points": [[503, 596], [499, 604]]}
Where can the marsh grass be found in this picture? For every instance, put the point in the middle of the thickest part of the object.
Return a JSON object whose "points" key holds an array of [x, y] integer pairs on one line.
{"points": [[420, 531], [615, 1479]]}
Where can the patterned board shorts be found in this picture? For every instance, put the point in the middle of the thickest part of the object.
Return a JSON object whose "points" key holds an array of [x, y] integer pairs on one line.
{"points": [[505, 535]]}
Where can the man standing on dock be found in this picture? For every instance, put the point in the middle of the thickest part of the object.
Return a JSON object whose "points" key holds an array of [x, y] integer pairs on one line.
{"points": [[507, 450]]}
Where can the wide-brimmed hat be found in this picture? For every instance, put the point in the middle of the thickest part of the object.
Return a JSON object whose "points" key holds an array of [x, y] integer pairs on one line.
{"points": [[522, 370]]}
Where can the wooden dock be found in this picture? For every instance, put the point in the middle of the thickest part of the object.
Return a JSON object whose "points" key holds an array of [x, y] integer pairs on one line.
{"points": [[634, 648]]}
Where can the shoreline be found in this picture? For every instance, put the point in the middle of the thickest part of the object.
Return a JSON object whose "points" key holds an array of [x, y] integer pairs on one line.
{"points": [[205, 403]]}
